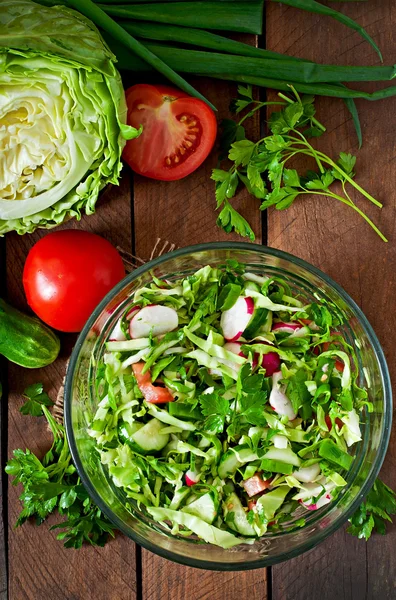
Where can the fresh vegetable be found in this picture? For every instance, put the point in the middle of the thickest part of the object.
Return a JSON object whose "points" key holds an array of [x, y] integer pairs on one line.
{"points": [[52, 484], [151, 393], [67, 273], [233, 447], [63, 116], [154, 320], [178, 132], [374, 512], [24, 340], [182, 22], [265, 162]]}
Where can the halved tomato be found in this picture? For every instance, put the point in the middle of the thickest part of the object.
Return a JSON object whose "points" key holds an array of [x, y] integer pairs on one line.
{"points": [[178, 132]]}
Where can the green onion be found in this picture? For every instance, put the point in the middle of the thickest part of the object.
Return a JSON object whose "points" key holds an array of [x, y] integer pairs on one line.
{"points": [[88, 8], [246, 17], [315, 7], [198, 62], [330, 451], [276, 466], [198, 37]]}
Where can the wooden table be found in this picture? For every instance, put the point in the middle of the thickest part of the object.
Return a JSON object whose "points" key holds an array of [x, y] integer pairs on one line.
{"points": [[328, 235]]}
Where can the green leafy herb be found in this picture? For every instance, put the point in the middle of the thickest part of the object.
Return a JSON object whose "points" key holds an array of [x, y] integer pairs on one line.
{"points": [[36, 398], [262, 166], [216, 409], [52, 483], [374, 512]]}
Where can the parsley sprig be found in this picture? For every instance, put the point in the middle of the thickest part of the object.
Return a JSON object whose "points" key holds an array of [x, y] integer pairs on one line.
{"points": [[52, 484], [374, 512], [262, 166]]}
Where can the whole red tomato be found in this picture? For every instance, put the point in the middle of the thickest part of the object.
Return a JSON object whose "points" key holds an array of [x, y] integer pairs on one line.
{"points": [[178, 132], [67, 273]]}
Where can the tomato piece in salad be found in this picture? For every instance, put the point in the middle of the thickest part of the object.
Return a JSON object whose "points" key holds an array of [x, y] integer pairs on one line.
{"points": [[178, 132], [152, 393]]}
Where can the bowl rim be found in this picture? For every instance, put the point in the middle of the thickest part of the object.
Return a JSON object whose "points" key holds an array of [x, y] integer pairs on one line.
{"points": [[385, 382]]}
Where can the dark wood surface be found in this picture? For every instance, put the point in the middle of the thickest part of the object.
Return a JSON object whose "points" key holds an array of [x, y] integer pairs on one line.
{"points": [[334, 239], [329, 236]]}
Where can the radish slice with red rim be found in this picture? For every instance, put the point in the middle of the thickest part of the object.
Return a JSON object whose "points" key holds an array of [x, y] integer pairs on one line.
{"points": [[155, 320], [234, 321]]}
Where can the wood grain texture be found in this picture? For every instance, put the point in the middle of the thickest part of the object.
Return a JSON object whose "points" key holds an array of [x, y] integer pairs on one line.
{"points": [[40, 567], [183, 213], [336, 240]]}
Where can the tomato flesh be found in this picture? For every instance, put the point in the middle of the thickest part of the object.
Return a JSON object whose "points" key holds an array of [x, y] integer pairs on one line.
{"points": [[67, 273], [152, 393], [178, 132]]}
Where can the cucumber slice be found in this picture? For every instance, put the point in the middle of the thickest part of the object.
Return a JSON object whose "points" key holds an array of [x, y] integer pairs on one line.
{"points": [[149, 437], [205, 507], [235, 516], [185, 411], [258, 319], [233, 459], [126, 431]]}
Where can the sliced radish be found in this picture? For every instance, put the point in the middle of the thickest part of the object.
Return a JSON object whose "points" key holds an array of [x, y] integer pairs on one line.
{"points": [[307, 474], [254, 485], [234, 321], [278, 399], [131, 313], [271, 363], [323, 500], [234, 347], [282, 327], [153, 319], [191, 478], [117, 335]]}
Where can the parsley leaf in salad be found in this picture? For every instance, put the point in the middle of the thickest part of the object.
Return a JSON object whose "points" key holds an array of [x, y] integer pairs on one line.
{"points": [[262, 167]]}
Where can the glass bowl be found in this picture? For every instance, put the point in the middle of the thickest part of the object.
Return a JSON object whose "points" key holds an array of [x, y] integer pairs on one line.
{"points": [[80, 405]]}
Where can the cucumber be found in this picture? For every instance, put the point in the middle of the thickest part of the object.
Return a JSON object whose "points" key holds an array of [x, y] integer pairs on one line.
{"points": [[258, 319], [25, 340], [185, 411], [235, 516], [146, 438], [125, 431], [233, 459], [205, 507]]}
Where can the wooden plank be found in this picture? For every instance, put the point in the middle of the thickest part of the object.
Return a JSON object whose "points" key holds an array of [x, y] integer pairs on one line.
{"points": [[3, 434], [335, 239], [183, 213], [40, 567]]}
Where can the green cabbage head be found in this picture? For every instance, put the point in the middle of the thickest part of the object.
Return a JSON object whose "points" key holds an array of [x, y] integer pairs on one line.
{"points": [[62, 116]]}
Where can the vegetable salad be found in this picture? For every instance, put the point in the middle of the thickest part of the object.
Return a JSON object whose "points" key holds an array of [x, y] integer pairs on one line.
{"points": [[226, 404]]}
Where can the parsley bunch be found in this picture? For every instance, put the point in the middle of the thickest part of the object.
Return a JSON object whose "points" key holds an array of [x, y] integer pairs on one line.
{"points": [[374, 512], [261, 166], [53, 484]]}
